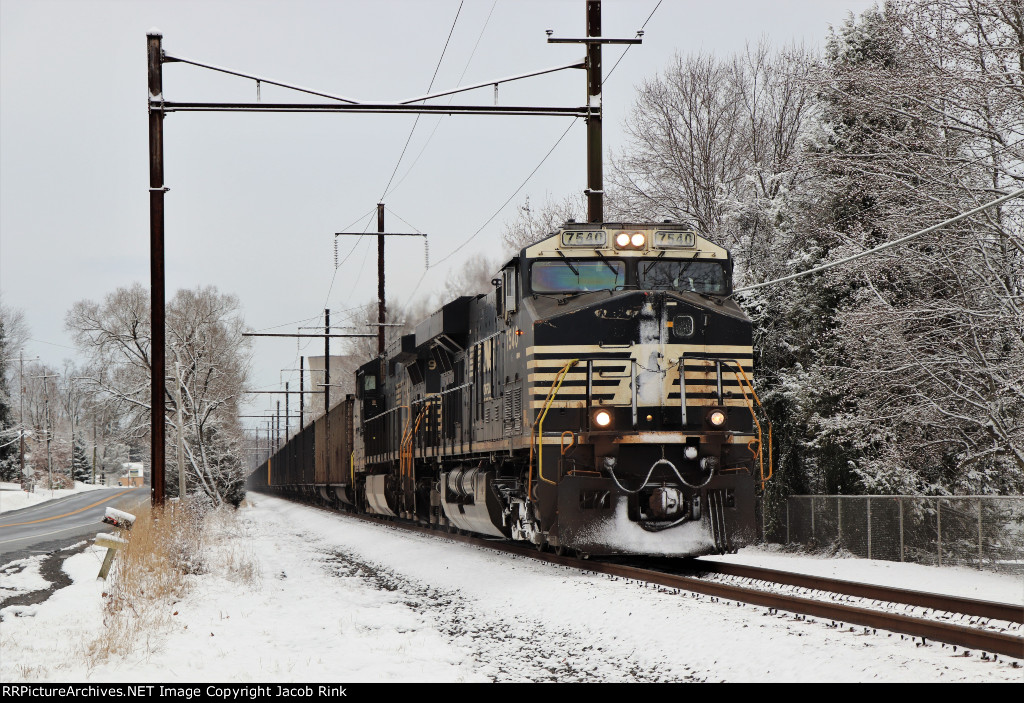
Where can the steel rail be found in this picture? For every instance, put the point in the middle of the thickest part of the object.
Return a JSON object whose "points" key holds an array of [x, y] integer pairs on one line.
{"points": [[969, 637], [922, 599]]}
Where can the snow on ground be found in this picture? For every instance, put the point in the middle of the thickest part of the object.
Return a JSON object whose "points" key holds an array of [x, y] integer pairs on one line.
{"points": [[951, 581], [327, 597], [22, 576], [13, 498]]}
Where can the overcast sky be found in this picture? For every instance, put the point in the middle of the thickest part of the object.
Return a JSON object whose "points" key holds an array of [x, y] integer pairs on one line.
{"points": [[255, 198]]}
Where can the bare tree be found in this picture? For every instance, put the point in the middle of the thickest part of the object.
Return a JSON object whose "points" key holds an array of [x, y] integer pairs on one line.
{"points": [[208, 359], [716, 142], [533, 223]]}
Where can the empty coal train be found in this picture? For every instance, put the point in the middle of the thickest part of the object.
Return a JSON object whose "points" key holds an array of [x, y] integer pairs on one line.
{"points": [[597, 400]]}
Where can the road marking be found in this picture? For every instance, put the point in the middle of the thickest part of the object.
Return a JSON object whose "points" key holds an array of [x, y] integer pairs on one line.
{"points": [[45, 534], [73, 512]]}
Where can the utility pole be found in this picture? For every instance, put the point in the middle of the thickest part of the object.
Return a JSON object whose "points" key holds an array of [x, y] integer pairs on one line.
{"points": [[46, 410], [94, 450], [286, 415], [327, 359], [46, 419], [327, 383], [156, 264], [21, 421], [381, 303], [595, 164], [594, 110], [70, 387]]}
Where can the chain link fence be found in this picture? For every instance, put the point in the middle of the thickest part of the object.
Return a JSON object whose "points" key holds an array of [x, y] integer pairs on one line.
{"points": [[985, 532]]}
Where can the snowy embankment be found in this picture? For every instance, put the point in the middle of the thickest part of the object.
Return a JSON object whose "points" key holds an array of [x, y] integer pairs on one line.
{"points": [[330, 598], [959, 581], [13, 498]]}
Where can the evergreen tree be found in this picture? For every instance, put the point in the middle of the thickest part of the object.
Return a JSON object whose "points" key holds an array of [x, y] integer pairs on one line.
{"points": [[81, 465]]}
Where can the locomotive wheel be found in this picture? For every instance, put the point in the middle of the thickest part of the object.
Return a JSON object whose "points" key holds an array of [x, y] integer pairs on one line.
{"points": [[540, 546], [561, 550]]}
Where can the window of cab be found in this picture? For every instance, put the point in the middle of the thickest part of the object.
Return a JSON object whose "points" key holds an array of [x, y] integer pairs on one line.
{"points": [[687, 275], [576, 275]]}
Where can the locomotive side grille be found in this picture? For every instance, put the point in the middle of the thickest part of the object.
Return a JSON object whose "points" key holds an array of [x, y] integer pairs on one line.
{"points": [[512, 410]]}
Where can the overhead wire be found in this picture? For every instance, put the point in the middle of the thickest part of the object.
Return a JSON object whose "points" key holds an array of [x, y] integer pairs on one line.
{"points": [[388, 189], [429, 88], [887, 245], [450, 99], [534, 171]]}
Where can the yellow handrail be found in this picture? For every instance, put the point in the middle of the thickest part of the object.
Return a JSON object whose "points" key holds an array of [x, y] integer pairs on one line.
{"points": [[572, 436], [539, 426], [760, 444]]}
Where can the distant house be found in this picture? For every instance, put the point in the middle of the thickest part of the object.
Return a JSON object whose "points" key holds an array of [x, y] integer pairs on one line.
{"points": [[132, 475]]}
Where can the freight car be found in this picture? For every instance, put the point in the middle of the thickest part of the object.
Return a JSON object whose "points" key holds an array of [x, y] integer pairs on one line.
{"points": [[598, 399]]}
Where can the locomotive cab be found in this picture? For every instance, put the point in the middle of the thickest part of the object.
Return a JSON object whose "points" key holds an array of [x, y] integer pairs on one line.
{"points": [[641, 390]]}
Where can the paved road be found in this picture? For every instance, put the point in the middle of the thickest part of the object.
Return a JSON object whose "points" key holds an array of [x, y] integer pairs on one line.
{"points": [[58, 523]]}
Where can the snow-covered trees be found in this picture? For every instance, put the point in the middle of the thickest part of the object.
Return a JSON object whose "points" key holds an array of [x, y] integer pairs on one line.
{"points": [[13, 334], [204, 337], [903, 372], [9, 430]]}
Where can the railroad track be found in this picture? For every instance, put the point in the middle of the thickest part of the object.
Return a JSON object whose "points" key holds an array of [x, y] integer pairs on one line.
{"points": [[1006, 640], [932, 601]]}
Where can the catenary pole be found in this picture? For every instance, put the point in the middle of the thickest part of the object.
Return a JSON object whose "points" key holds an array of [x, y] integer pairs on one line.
{"points": [[156, 265], [595, 166], [381, 303]]}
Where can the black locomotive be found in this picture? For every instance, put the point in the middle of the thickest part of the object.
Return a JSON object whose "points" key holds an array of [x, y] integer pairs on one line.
{"points": [[598, 399]]}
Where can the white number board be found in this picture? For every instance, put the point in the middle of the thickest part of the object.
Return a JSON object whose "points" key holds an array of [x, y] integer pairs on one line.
{"points": [[591, 238], [668, 239]]}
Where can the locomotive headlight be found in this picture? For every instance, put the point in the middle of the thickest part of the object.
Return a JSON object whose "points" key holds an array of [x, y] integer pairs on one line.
{"points": [[690, 453], [717, 418], [621, 240], [603, 418], [637, 240]]}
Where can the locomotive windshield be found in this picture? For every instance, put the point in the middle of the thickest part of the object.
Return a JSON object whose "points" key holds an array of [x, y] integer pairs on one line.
{"points": [[697, 276], [568, 276]]}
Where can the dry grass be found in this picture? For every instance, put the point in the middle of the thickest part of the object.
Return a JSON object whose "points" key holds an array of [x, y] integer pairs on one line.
{"points": [[165, 548]]}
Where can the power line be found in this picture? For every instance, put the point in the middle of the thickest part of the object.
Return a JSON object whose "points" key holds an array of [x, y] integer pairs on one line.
{"points": [[429, 88], [887, 245], [452, 97], [509, 199], [523, 184], [630, 46]]}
